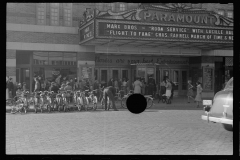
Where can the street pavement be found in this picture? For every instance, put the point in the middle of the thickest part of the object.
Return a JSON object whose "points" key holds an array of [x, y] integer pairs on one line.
{"points": [[175, 129]]}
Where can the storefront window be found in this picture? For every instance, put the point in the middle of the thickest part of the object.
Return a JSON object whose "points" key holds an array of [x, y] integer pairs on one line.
{"points": [[125, 74], [141, 72], [69, 58], [40, 58], [104, 76], [150, 73], [115, 74], [49, 65], [55, 58]]}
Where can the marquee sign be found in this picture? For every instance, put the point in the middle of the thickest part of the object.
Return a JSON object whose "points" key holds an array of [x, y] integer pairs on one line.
{"points": [[131, 30], [169, 22], [86, 32]]}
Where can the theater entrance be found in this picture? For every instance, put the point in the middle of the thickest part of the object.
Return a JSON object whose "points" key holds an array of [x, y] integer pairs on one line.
{"points": [[144, 71]]}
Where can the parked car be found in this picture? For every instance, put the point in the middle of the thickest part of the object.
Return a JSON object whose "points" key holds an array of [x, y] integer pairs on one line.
{"points": [[220, 110]]}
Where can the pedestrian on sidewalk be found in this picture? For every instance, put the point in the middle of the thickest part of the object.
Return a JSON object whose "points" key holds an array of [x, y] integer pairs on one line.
{"points": [[143, 86], [198, 98], [137, 86], [37, 85], [162, 89], [168, 89], [115, 83], [173, 87], [190, 91], [124, 86], [109, 92], [7, 91], [10, 87]]}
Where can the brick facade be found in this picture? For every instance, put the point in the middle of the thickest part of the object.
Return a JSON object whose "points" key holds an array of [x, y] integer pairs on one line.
{"points": [[34, 37], [11, 71], [11, 54]]}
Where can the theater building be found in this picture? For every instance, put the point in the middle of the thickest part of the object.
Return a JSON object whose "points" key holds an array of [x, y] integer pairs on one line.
{"points": [[173, 40]]}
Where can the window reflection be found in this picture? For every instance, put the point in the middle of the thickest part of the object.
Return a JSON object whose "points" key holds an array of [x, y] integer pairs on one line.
{"points": [[55, 58], [69, 58], [40, 58]]}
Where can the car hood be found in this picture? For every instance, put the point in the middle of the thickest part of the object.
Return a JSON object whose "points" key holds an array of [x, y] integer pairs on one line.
{"points": [[224, 97]]}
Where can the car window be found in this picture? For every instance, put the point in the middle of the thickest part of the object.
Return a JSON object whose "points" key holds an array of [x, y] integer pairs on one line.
{"points": [[229, 84]]}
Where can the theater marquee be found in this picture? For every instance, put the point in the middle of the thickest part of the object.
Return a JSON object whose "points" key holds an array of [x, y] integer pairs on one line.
{"points": [[131, 30], [170, 22]]}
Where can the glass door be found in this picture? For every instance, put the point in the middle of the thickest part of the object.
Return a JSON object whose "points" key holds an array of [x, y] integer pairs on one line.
{"points": [[175, 79], [125, 74], [165, 74], [96, 74], [25, 77], [141, 72], [115, 73], [150, 73], [184, 79], [104, 77]]}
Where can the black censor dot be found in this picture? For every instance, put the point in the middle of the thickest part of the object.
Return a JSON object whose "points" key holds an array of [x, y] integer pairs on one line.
{"points": [[136, 103]]}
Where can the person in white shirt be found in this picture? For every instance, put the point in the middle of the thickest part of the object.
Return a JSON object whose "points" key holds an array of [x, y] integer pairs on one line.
{"points": [[124, 85], [137, 86]]}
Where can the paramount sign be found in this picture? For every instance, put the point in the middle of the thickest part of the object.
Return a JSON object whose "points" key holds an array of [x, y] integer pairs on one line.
{"points": [[169, 22], [179, 18], [169, 14]]}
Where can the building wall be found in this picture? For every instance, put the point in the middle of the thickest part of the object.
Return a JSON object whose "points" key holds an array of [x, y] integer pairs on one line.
{"points": [[27, 35]]}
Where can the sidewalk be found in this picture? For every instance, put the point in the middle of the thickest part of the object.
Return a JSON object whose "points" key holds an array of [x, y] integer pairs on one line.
{"points": [[178, 103]]}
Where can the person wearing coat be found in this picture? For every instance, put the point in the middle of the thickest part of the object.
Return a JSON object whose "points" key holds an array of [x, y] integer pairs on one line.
{"points": [[198, 98], [137, 86], [37, 85], [110, 82], [168, 89], [109, 92], [151, 86], [162, 89], [10, 87], [143, 87], [7, 91], [190, 91]]}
